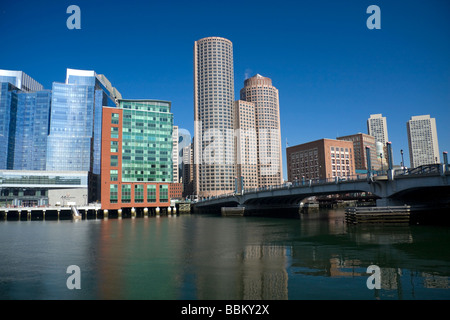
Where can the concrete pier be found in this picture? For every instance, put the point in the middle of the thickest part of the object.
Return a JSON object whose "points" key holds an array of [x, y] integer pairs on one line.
{"points": [[397, 214], [232, 211]]}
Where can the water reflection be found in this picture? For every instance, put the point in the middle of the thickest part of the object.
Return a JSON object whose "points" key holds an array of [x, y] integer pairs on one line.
{"points": [[209, 257]]}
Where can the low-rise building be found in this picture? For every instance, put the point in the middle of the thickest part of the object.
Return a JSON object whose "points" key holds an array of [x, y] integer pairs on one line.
{"points": [[321, 159]]}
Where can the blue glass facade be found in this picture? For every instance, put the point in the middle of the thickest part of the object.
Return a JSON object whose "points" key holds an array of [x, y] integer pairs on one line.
{"points": [[74, 142], [32, 126], [8, 112]]}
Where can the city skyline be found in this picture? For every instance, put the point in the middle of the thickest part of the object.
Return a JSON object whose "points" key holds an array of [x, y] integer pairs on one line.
{"points": [[332, 72]]}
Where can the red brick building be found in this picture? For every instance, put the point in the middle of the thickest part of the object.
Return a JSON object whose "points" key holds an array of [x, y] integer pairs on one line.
{"points": [[321, 159], [125, 181]]}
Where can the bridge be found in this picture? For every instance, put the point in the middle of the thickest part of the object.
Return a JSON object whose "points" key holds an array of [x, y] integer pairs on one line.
{"points": [[426, 185]]}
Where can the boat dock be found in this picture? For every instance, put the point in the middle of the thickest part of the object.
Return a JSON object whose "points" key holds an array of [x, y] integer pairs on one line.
{"points": [[50, 213]]}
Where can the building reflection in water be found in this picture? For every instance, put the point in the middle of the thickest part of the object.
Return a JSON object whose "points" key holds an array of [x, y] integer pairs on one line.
{"points": [[264, 274], [216, 258]]}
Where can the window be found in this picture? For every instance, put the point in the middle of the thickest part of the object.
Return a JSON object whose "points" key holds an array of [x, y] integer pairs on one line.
{"points": [[114, 175], [113, 193], [138, 193], [115, 118], [151, 193], [114, 146], [114, 132], [114, 161], [163, 193], [126, 193]]}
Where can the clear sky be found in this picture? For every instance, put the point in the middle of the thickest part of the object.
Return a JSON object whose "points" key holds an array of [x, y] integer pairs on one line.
{"points": [[332, 72]]}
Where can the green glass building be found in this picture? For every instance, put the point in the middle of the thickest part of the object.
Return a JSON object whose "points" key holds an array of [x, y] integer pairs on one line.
{"points": [[146, 141], [137, 154]]}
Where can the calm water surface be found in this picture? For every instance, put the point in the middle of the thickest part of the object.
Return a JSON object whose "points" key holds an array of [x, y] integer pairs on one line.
{"points": [[210, 257]]}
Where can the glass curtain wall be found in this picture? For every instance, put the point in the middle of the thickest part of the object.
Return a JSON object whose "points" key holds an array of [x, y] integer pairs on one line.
{"points": [[32, 123], [74, 142], [146, 141]]}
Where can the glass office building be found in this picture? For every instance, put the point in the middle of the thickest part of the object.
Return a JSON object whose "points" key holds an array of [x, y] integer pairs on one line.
{"points": [[137, 154], [74, 139], [8, 112], [20, 80], [24, 121], [32, 124]]}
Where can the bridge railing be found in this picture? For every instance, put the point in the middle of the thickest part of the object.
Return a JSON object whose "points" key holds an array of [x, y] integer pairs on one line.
{"points": [[431, 169], [425, 169], [309, 183], [304, 183]]}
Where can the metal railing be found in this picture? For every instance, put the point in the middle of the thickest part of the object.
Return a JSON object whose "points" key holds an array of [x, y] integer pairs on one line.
{"points": [[306, 183]]}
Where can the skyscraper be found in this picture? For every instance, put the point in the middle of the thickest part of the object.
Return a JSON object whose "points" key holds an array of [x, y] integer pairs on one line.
{"points": [[213, 117], [74, 140], [24, 118], [184, 140], [175, 154], [422, 140], [377, 127], [8, 113], [32, 121], [245, 145], [264, 95]]}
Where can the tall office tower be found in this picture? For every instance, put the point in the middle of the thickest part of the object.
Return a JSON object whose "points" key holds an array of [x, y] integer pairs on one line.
{"points": [[74, 141], [184, 140], [32, 122], [377, 127], [264, 95], [360, 142], [8, 113], [213, 116], [175, 175], [136, 154], [20, 80], [24, 117], [245, 145], [423, 141], [188, 172]]}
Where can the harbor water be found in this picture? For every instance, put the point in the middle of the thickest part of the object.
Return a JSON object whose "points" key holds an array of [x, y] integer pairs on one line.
{"points": [[208, 257]]}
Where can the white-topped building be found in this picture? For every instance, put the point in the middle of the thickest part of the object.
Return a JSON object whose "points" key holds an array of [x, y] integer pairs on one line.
{"points": [[422, 140], [21, 80]]}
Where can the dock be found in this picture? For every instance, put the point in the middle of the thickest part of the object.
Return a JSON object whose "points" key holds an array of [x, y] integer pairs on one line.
{"points": [[395, 214], [49, 213]]}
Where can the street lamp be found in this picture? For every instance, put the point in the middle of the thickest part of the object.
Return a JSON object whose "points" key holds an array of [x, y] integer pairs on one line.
{"points": [[403, 163], [381, 159]]}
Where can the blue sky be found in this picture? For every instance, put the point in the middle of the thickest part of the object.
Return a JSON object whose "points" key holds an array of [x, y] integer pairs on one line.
{"points": [[332, 72]]}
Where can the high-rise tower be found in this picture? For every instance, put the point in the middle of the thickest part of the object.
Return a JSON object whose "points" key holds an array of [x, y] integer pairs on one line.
{"points": [[423, 141], [377, 127], [264, 95], [214, 171]]}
